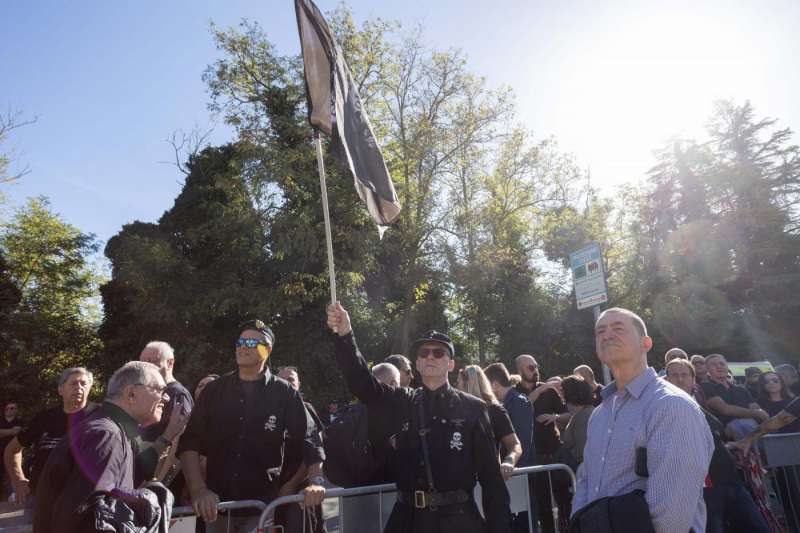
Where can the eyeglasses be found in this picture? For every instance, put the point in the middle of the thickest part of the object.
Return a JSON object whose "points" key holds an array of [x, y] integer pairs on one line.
{"points": [[250, 343], [438, 353], [153, 388]]}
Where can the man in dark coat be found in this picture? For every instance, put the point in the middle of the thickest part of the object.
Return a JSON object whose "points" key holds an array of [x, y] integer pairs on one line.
{"points": [[444, 444]]}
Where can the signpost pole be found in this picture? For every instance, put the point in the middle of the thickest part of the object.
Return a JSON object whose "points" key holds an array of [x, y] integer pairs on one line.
{"points": [[590, 284]]}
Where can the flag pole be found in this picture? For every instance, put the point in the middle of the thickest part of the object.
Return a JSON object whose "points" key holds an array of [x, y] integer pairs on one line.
{"points": [[326, 215]]}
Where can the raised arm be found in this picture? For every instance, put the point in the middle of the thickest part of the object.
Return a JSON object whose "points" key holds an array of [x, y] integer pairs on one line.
{"points": [[359, 379]]}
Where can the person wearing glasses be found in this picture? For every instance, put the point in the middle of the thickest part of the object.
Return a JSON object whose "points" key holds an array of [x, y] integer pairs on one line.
{"points": [[240, 424], [44, 432], [444, 444], [98, 454]]}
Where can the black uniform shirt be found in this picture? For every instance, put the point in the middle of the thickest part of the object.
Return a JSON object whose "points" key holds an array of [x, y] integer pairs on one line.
{"points": [[293, 454], [242, 439], [732, 395], [460, 440]]}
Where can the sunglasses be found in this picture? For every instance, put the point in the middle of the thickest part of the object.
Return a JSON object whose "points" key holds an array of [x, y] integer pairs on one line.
{"points": [[437, 353], [772, 380], [251, 343]]}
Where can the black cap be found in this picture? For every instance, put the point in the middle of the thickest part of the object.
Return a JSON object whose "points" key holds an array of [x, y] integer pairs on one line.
{"points": [[435, 336], [751, 371], [259, 326]]}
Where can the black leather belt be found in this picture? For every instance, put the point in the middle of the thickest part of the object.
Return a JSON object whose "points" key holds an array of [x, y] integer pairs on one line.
{"points": [[431, 500]]}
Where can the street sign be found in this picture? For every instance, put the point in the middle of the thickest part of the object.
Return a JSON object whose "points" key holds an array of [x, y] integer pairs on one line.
{"points": [[588, 276]]}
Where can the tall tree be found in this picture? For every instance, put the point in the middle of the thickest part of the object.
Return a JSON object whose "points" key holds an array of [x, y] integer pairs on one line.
{"points": [[49, 264]]}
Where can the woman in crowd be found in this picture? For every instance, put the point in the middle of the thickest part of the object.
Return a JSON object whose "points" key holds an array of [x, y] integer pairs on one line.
{"points": [[472, 380], [578, 397], [773, 396]]}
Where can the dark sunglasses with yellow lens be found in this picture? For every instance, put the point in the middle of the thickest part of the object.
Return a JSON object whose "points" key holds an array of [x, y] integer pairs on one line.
{"points": [[251, 343]]}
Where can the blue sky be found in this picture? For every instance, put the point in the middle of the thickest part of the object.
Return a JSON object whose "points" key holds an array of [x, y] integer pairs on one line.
{"points": [[110, 81]]}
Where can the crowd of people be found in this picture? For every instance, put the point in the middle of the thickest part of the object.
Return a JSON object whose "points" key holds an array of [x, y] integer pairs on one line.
{"points": [[669, 452]]}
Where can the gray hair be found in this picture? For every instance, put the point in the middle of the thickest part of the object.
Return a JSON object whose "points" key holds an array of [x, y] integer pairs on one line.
{"points": [[638, 323], [584, 368], [713, 355], [131, 373], [384, 372], [787, 370], [163, 349], [69, 372]]}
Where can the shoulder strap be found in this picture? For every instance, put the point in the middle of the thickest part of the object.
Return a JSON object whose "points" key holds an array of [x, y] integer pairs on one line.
{"points": [[423, 432]]}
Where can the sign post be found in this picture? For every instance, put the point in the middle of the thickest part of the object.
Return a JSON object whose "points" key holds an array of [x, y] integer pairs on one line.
{"points": [[589, 280]]}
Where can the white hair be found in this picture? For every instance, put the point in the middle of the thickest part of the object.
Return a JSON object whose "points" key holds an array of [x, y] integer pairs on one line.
{"points": [[384, 372], [161, 348], [69, 372], [132, 373]]}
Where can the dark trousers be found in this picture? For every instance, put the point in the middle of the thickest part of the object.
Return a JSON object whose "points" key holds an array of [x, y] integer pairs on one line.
{"points": [[558, 482], [458, 518], [731, 503]]}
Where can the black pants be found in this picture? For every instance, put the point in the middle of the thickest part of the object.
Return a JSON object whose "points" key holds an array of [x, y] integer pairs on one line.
{"points": [[559, 482], [457, 518]]}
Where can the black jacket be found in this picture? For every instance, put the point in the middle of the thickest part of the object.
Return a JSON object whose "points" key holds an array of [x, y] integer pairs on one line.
{"points": [[149, 513], [460, 439]]}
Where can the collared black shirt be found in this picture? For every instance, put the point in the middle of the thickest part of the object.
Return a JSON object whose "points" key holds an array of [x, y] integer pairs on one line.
{"points": [[460, 439], [293, 454], [96, 455], [242, 439]]}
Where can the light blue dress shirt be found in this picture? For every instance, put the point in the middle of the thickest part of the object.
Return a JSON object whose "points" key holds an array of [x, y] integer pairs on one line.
{"points": [[654, 414]]}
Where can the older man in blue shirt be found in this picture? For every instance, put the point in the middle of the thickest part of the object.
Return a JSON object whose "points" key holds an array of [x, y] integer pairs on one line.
{"points": [[641, 412]]}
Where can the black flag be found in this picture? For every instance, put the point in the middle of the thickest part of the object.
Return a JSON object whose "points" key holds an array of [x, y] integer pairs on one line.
{"points": [[334, 108]]}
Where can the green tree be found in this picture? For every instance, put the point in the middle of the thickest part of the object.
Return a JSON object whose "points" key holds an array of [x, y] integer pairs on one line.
{"points": [[49, 265]]}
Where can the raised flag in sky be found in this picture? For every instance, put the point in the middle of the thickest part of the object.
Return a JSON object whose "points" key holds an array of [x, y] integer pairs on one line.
{"points": [[334, 108]]}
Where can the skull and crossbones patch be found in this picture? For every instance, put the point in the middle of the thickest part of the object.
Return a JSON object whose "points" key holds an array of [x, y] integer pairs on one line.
{"points": [[455, 441], [271, 424]]}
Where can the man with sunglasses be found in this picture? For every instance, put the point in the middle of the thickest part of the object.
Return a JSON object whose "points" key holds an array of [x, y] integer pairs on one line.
{"points": [[444, 444], [241, 424]]}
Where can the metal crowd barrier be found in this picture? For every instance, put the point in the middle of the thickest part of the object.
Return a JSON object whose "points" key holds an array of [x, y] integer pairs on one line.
{"points": [[781, 454], [522, 502], [187, 511]]}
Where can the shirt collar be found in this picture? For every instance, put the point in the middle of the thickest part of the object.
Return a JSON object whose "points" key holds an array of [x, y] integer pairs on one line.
{"points": [[635, 387], [438, 393], [121, 417]]}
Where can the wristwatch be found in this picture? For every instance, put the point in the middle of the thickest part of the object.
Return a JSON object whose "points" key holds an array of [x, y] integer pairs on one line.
{"points": [[317, 480]]}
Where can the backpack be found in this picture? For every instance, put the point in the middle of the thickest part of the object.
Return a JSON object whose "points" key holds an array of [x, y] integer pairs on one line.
{"points": [[349, 458]]}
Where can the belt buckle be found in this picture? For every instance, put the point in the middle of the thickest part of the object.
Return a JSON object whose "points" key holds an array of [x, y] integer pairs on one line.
{"points": [[419, 499]]}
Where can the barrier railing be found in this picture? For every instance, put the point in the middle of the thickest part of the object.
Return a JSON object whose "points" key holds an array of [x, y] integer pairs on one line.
{"points": [[781, 454], [268, 515], [187, 511]]}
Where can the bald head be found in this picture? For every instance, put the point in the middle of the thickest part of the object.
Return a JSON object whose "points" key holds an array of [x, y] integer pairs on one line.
{"points": [[528, 369], [675, 353], [160, 354], [387, 373]]}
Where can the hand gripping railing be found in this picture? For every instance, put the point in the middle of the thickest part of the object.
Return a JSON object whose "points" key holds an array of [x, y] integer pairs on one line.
{"points": [[268, 515], [187, 510]]}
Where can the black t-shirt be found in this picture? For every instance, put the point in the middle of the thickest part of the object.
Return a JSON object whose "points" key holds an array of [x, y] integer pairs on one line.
{"points": [[732, 395], [793, 408], [773, 408], [177, 393], [501, 423], [597, 399], [44, 433], [722, 468], [6, 424]]}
